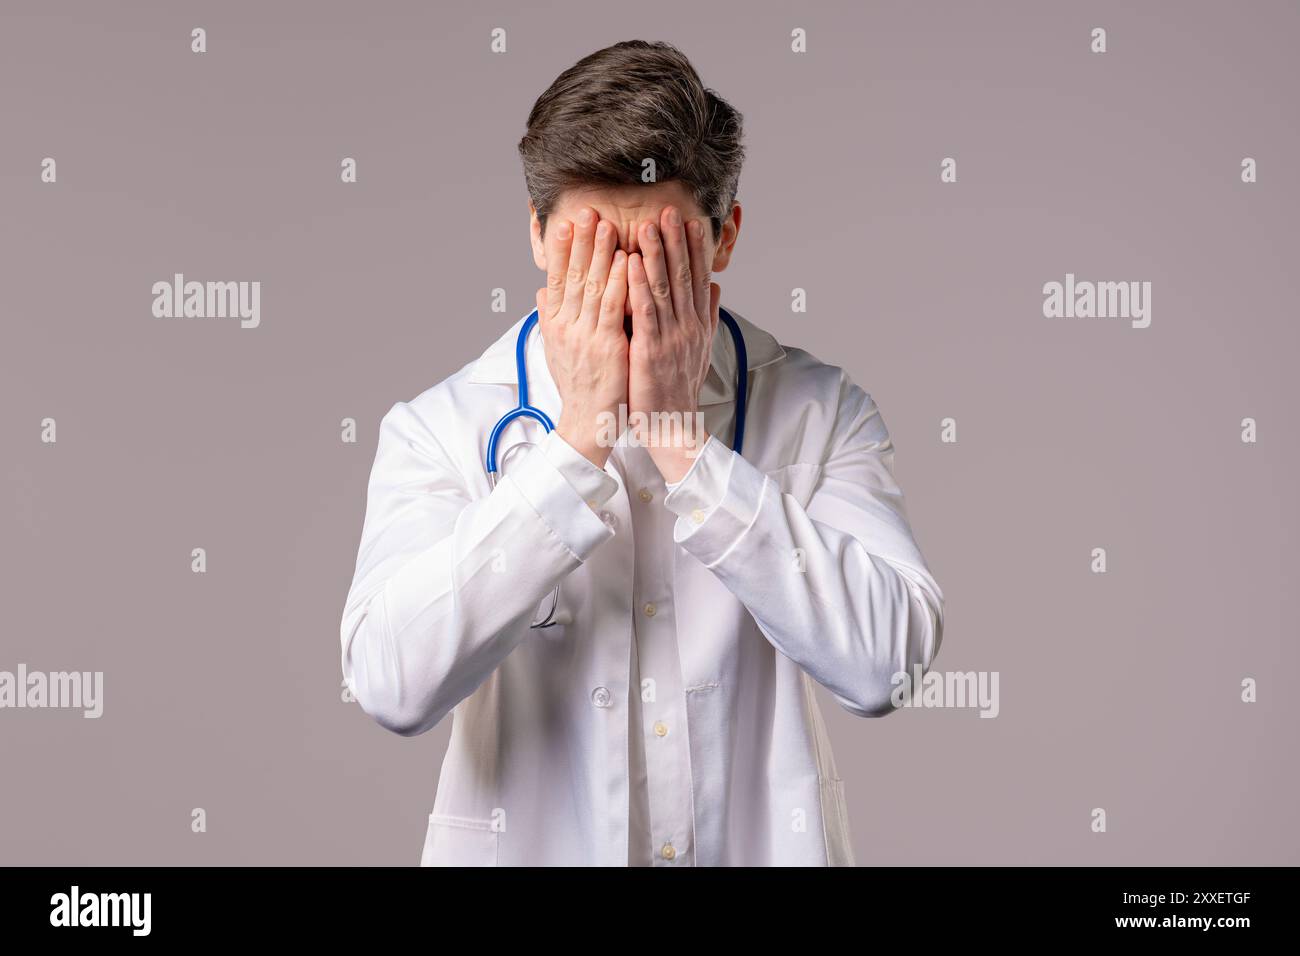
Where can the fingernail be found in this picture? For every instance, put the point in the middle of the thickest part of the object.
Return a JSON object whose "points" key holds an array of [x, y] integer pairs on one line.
{"points": [[562, 231], [674, 217], [586, 217], [652, 232]]}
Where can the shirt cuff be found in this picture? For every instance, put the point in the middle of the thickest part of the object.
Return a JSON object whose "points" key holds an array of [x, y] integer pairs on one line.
{"points": [[711, 532], [699, 492], [595, 485]]}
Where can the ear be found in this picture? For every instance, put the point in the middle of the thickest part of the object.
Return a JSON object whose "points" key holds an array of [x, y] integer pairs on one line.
{"points": [[727, 240], [535, 237]]}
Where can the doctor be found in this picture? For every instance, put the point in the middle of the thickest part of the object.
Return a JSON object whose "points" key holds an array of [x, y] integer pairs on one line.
{"points": [[665, 715]]}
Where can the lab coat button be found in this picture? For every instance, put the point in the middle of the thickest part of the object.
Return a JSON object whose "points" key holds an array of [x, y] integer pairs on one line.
{"points": [[661, 729], [646, 495], [601, 697], [668, 852], [649, 610], [697, 516]]}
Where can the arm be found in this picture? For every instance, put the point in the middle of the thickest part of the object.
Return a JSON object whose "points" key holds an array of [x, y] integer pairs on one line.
{"points": [[839, 586], [446, 586]]}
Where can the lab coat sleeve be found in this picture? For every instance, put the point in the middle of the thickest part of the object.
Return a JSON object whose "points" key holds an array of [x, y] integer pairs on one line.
{"points": [[446, 583], [839, 586]]}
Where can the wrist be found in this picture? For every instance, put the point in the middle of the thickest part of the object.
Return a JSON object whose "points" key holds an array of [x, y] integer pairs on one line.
{"points": [[674, 461], [583, 436]]}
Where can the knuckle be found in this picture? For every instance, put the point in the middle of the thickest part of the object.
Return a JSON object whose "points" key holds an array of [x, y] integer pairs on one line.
{"points": [[593, 288], [659, 288], [555, 282], [574, 276]]}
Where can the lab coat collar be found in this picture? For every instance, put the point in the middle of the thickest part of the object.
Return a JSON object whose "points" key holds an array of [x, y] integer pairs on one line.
{"points": [[496, 366]]}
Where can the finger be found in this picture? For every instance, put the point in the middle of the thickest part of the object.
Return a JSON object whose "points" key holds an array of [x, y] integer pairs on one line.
{"points": [[575, 279], [602, 258], [558, 243], [678, 258], [656, 271], [701, 271], [645, 316], [613, 303]]}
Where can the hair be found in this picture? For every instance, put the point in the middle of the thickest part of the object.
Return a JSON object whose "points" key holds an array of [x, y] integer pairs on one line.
{"points": [[609, 112]]}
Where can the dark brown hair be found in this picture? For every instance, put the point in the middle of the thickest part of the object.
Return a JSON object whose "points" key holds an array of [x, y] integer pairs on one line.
{"points": [[613, 109]]}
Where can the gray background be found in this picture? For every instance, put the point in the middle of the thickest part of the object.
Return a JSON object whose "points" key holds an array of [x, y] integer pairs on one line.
{"points": [[223, 690]]}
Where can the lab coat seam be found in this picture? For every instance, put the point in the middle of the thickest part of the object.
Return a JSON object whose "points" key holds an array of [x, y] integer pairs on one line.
{"points": [[349, 635], [809, 702], [699, 687], [624, 853], [832, 789], [408, 411], [826, 802], [386, 627]]}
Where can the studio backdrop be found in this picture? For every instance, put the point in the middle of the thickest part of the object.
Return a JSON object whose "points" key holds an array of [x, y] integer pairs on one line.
{"points": [[1056, 243]]}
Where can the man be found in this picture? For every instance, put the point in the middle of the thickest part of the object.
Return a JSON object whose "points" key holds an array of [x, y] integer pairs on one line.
{"points": [[667, 715]]}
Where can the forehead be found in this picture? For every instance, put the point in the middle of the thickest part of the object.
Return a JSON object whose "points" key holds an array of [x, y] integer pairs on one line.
{"points": [[626, 204]]}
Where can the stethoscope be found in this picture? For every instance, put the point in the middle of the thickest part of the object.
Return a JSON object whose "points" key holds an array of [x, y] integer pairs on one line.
{"points": [[526, 410]]}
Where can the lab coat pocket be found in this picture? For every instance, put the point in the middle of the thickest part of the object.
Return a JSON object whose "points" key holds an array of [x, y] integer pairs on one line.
{"points": [[799, 480], [459, 841]]}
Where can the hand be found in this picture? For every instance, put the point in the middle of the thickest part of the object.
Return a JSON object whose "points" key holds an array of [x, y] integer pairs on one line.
{"points": [[674, 317], [580, 314]]}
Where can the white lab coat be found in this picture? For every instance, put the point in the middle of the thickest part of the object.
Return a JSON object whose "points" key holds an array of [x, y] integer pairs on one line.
{"points": [[805, 569]]}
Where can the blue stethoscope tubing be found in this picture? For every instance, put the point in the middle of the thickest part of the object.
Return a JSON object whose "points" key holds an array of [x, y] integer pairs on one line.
{"points": [[526, 410]]}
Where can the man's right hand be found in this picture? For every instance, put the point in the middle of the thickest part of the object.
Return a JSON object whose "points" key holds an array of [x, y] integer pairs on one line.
{"points": [[580, 314]]}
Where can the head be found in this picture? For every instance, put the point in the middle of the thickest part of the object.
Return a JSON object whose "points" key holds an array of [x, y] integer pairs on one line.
{"points": [[629, 130]]}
